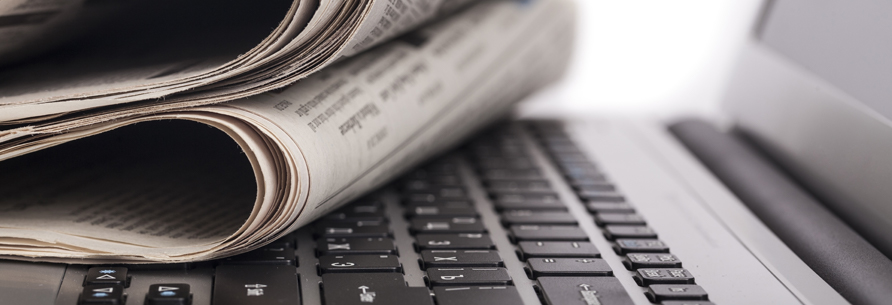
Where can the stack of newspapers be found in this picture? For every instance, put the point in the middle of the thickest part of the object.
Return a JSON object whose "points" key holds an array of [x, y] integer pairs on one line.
{"points": [[184, 130]]}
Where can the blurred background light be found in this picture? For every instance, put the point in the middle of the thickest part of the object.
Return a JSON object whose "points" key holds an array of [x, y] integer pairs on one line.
{"points": [[650, 57]]}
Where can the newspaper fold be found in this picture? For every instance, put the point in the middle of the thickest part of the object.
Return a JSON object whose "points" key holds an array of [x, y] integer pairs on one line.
{"points": [[169, 181]]}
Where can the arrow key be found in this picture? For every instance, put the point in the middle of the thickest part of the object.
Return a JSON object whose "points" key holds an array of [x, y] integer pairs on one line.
{"points": [[102, 294], [591, 290], [107, 275], [169, 294]]}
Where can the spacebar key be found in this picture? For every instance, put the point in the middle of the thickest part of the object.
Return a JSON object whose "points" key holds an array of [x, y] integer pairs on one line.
{"points": [[256, 284]]}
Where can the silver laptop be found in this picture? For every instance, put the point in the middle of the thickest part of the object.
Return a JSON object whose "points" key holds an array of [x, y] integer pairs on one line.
{"points": [[792, 205]]}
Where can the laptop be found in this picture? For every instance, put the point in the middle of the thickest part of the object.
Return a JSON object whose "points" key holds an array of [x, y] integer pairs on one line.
{"points": [[790, 206]]}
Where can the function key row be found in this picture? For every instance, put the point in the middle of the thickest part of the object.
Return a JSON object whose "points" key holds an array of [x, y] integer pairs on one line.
{"points": [[654, 267]]}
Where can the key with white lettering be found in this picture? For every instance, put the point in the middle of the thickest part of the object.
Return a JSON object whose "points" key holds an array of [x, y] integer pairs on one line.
{"points": [[371, 289], [107, 275], [106, 294], [535, 217], [463, 241], [256, 285], [447, 225], [352, 229], [568, 267], [605, 290], [363, 211], [535, 232], [273, 254], [648, 276], [651, 260], [168, 294], [660, 293], [477, 295], [355, 245], [558, 249], [359, 263], [460, 258], [624, 246], [468, 276], [440, 211]]}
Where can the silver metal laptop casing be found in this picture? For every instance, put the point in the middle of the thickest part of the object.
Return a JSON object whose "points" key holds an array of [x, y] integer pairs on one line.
{"points": [[730, 252], [830, 141]]}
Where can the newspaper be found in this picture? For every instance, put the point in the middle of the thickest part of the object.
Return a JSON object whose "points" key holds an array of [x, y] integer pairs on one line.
{"points": [[174, 182], [208, 46]]}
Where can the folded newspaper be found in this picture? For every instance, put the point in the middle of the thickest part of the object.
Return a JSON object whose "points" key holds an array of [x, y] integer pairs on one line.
{"points": [[192, 155]]}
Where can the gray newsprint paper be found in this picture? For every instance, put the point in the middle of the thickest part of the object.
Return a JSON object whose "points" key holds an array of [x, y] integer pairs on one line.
{"points": [[176, 182], [159, 48]]}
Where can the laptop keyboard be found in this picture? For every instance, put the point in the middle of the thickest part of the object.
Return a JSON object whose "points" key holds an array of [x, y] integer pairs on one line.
{"points": [[482, 225]]}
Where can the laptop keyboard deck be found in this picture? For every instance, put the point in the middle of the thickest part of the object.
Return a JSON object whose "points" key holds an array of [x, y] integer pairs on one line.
{"points": [[518, 215]]}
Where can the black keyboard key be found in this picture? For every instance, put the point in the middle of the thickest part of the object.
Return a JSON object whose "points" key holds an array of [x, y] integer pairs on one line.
{"points": [[487, 163], [568, 267], [519, 187], [464, 241], [568, 157], [352, 245], [468, 276], [580, 182], [660, 293], [435, 194], [618, 231], [169, 294], [530, 205], [646, 277], [594, 187], [352, 229], [600, 196], [105, 294], [535, 217], [625, 246], [460, 258], [545, 198], [542, 233], [107, 276], [651, 260], [469, 295], [257, 284], [583, 290], [359, 264], [371, 288], [530, 249], [604, 219], [609, 207], [437, 211], [421, 184], [439, 191], [512, 175], [447, 225], [358, 212], [273, 254], [454, 203]]}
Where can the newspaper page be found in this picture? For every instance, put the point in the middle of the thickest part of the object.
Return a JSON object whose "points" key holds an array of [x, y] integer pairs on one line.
{"points": [[336, 135], [361, 123], [109, 71]]}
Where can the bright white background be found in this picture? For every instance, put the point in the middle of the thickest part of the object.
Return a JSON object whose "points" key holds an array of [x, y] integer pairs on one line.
{"points": [[650, 57]]}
